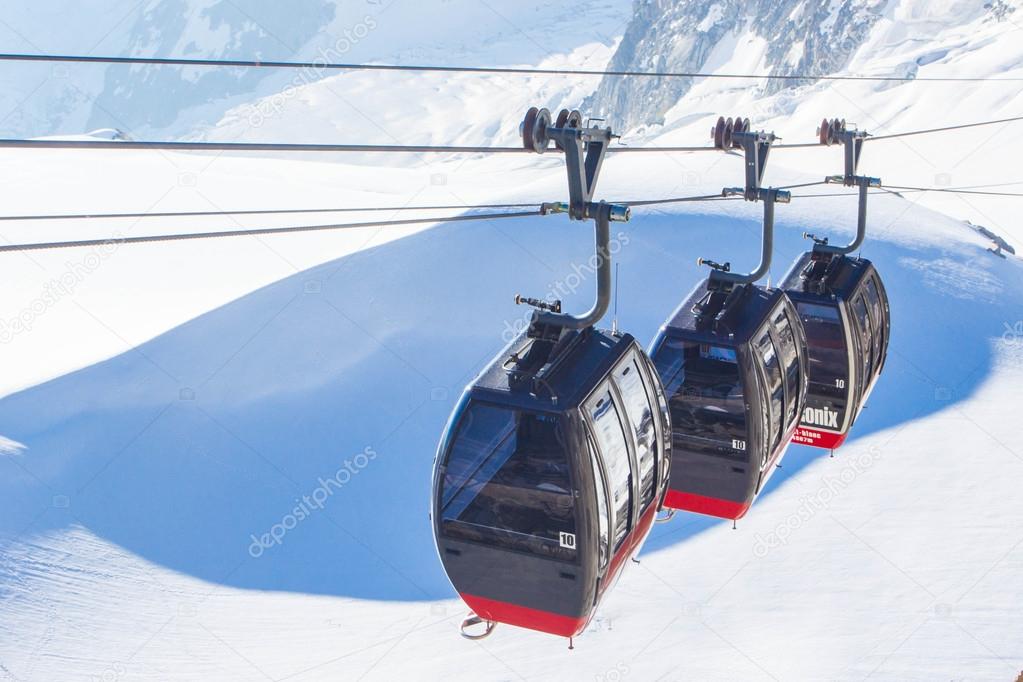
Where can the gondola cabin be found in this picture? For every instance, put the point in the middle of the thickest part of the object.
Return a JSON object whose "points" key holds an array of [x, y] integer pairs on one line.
{"points": [[733, 363], [844, 311], [548, 478]]}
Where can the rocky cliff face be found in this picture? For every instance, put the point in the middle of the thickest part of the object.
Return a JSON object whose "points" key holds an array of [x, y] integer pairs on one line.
{"points": [[814, 37]]}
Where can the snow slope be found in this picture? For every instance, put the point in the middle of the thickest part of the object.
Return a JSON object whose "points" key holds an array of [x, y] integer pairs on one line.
{"points": [[181, 399], [131, 507]]}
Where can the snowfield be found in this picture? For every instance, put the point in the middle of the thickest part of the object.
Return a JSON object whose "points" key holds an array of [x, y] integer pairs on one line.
{"points": [[165, 407]]}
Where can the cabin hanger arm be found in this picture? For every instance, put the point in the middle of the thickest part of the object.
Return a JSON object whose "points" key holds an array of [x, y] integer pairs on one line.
{"points": [[756, 146], [836, 131], [584, 148]]}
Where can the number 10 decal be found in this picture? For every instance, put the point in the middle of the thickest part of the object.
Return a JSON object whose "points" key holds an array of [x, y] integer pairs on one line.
{"points": [[567, 540]]}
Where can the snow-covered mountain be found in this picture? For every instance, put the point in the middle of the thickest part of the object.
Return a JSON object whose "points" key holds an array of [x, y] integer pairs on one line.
{"points": [[41, 99], [814, 37], [175, 101]]}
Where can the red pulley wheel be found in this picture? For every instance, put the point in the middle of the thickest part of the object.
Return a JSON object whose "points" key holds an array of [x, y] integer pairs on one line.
{"points": [[729, 127], [736, 128], [823, 132], [719, 133]]}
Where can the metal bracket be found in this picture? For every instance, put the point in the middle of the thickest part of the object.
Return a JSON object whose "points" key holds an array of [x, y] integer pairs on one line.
{"points": [[584, 156], [584, 149], [472, 620], [852, 141], [757, 149]]}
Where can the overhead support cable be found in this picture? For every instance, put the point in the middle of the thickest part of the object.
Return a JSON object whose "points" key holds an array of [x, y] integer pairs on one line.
{"points": [[322, 65], [125, 145]]}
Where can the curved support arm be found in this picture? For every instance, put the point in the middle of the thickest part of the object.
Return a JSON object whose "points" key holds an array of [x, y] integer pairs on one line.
{"points": [[600, 306], [861, 221], [770, 197]]}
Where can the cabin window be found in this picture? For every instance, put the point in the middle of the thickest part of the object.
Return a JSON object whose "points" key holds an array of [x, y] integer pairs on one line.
{"points": [[874, 305], [866, 337], [768, 356], [705, 396], [790, 363], [609, 433], [507, 483], [663, 415], [829, 357], [641, 418], [603, 520]]}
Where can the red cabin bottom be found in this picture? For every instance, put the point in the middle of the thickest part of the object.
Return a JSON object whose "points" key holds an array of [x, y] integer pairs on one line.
{"points": [[711, 506], [525, 617], [827, 440]]}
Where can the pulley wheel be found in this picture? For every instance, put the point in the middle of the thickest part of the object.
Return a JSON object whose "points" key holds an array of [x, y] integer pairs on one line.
{"points": [[822, 132], [718, 133], [833, 131], [741, 125], [561, 122], [729, 128], [736, 128], [568, 119], [528, 124], [534, 130], [540, 126]]}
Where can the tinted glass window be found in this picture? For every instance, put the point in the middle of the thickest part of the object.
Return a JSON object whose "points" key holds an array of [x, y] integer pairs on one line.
{"points": [[790, 363], [603, 520], [641, 418], [506, 483], [874, 305], [829, 360], [765, 425], [610, 436], [705, 396], [866, 337], [767, 354]]}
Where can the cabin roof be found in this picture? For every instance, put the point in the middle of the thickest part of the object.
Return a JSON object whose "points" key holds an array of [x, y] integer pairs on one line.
{"points": [[845, 275], [734, 326], [570, 376]]}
